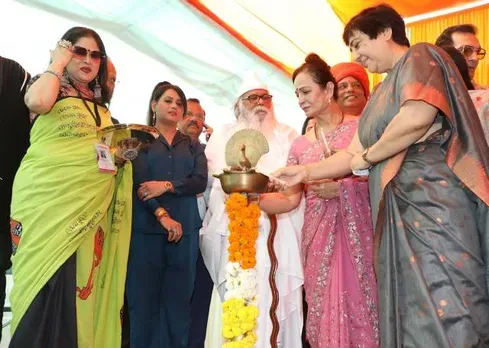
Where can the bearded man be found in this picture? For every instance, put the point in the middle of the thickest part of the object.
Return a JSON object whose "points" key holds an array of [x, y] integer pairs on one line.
{"points": [[254, 109]]}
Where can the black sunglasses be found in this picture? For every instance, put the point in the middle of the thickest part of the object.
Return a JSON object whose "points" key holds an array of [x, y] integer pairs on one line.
{"points": [[83, 52]]}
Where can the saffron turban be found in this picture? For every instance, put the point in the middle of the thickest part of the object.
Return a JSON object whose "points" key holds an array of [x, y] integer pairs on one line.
{"points": [[355, 70]]}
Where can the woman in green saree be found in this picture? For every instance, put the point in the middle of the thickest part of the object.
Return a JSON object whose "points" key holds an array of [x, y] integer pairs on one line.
{"points": [[71, 208], [423, 145]]}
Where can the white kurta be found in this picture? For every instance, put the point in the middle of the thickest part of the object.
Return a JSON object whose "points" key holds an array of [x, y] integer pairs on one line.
{"points": [[214, 244]]}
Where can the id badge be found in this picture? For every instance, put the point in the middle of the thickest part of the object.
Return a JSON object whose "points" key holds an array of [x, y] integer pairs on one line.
{"points": [[361, 172], [104, 158]]}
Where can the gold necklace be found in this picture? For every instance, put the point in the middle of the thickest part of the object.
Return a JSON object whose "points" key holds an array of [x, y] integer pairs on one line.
{"points": [[323, 138], [315, 126]]}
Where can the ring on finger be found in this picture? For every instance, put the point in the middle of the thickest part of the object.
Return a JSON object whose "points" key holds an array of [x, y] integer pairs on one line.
{"points": [[64, 43]]}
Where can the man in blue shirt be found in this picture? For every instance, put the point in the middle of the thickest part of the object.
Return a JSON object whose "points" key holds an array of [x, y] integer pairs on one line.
{"points": [[192, 125]]}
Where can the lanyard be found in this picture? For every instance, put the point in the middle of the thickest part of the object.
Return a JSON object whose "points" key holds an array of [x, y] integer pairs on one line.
{"points": [[96, 116]]}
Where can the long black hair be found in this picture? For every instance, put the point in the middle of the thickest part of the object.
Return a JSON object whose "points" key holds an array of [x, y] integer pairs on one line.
{"points": [[158, 91], [461, 64], [75, 34]]}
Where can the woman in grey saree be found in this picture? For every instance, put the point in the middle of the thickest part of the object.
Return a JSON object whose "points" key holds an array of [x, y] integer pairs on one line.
{"points": [[429, 190]]}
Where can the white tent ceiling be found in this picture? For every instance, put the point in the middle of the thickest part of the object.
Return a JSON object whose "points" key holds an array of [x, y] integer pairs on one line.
{"points": [[149, 42]]}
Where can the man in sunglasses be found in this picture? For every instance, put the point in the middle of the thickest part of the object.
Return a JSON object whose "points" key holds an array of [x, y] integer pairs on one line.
{"points": [[464, 38], [14, 141], [254, 109]]}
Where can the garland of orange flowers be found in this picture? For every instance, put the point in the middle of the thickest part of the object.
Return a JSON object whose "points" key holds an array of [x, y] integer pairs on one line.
{"points": [[240, 310], [243, 230]]}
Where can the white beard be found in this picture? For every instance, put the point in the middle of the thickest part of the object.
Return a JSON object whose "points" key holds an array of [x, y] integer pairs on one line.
{"points": [[257, 119]]}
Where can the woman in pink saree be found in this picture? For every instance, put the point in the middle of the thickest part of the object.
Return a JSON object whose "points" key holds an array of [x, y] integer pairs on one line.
{"points": [[337, 240]]}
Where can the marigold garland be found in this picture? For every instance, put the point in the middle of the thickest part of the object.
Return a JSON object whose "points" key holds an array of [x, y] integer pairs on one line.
{"points": [[238, 318], [243, 230], [239, 310]]}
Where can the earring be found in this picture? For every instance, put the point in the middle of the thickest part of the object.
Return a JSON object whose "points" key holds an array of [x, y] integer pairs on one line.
{"points": [[97, 91], [154, 117]]}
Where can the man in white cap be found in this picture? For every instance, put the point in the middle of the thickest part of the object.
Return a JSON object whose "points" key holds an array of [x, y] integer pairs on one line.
{"points": [[254, 109]]}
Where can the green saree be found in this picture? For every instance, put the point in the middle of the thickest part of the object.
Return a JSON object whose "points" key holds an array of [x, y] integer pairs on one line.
{"points": [[63, 205]]}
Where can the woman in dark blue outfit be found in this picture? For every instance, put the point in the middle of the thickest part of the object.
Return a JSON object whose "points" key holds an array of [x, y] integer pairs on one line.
{"points": [[166, 223]]}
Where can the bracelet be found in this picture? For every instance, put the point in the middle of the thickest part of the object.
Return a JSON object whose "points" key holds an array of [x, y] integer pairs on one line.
{"points": [[364, 156], [254, 198], [161, 214], [53, 73]]}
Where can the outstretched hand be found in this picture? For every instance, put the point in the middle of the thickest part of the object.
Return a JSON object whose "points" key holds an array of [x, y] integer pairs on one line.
{"points": [[287, 177]]}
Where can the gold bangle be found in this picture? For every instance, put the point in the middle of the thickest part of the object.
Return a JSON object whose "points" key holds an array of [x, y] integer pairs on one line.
{"points": [[161, 213]]}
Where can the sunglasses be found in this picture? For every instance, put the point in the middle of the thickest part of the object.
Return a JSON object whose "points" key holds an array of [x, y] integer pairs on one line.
{"points": [[468, 51], [82, 52], [254, 98]]}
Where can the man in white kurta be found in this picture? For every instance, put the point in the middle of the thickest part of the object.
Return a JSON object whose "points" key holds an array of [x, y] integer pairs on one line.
{"points": [[258, 114]]}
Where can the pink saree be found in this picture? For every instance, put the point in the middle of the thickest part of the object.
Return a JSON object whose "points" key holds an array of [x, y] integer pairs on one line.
{"points": [[337, 252]]}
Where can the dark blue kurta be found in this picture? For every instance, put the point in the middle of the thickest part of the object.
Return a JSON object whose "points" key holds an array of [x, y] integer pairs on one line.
{"points": [[161, 274]]}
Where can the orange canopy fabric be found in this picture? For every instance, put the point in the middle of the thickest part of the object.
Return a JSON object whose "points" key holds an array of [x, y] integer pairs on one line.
{"points": [[283, 32], [346, 9]]}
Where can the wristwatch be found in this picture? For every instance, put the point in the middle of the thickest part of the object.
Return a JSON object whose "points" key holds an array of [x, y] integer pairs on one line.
{"points": [[364, 156], [168, 186]]}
